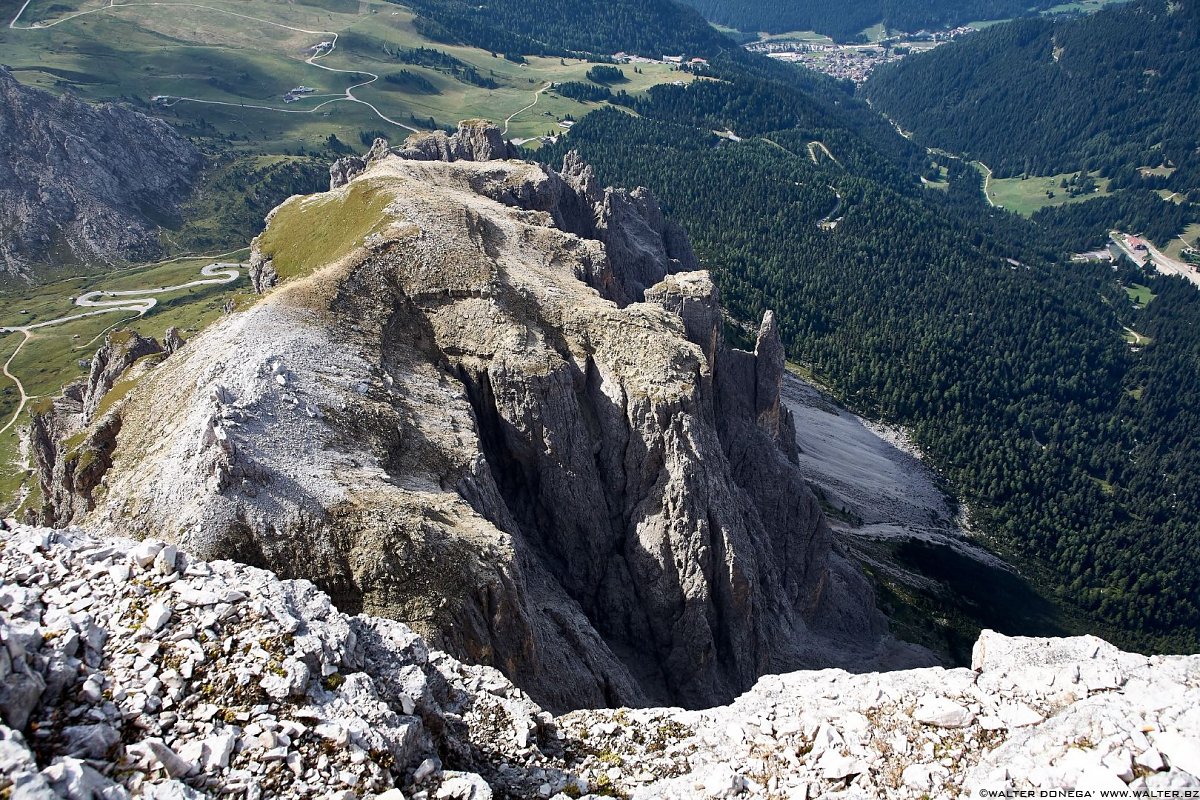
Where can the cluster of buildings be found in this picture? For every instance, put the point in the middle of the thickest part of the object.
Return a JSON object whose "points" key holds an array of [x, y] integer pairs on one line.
{"points": [[854, 62], [676, 61], [297, 93]]}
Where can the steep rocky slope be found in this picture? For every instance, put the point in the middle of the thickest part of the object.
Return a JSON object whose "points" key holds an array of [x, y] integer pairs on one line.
{"points": [[478, 400], [82, 183], [130, 668]]}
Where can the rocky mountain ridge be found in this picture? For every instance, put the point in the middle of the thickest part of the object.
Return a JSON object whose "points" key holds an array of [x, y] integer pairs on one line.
{"points": [[83, 184], [132, 669], [500, 412]]}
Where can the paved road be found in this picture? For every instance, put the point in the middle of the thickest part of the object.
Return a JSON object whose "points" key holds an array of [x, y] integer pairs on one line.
{"points": [[137, 301], [1163, 263]]}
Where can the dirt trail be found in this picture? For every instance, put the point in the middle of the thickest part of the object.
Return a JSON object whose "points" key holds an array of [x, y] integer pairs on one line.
{"points": [[321, 52], [536, 96], [17, 381]]}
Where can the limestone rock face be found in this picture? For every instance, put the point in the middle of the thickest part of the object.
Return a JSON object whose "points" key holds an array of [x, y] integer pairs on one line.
{"points": [[344, 169], [121, 350], [473, 423], [118, 671], [84, 181], [163, 676], [475, 140], [172, 340], [262, 270], [72, 437]]}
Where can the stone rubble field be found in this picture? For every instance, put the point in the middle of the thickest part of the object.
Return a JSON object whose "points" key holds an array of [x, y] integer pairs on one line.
{"points": [[129, 670]]}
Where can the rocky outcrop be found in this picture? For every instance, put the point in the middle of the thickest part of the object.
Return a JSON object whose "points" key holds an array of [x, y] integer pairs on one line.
{"points": [[345, 169], [262, 271], [475, 140], [84, 182], [172, 340], [72, 438], [1033, 717], [472, 423], [161, 676], [133, 669], [120, 351]]}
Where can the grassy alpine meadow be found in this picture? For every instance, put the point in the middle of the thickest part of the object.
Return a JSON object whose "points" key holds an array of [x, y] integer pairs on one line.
{"points": [[1024, 196], [224, 68]]}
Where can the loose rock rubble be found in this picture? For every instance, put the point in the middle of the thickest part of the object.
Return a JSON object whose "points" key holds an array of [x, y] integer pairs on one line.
{"points": [[1034, 714], [129, 669]]}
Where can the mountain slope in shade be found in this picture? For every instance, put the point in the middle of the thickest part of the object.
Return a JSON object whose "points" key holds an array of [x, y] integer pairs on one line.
{"points": [[82, 183]]}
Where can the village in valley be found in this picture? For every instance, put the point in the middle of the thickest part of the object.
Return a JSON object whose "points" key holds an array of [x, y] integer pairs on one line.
{"points": [[856, 61]]}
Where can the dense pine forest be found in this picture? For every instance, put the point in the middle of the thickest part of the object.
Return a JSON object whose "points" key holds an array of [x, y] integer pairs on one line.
{"points": [[549, 27], [932, 309], [1111, 92], [846, 20]]}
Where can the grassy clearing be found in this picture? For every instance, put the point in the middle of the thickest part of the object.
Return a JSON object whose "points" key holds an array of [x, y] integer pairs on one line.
{"points": [[1140, 295], [1189, 238], [1163, 171], [796, 36], [876, 33], [299, 247], [1081, 6], [1025, 196], [1136, 339], [942, 182]]}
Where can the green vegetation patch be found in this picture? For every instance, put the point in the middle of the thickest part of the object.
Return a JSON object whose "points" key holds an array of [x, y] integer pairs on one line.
{"points": [[1027, 195], [1139, 294], [308, 233]]}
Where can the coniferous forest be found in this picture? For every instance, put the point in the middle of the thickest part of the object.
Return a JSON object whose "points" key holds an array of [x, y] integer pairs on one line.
{"points": [[548, 27], [965, 322], [846, 20], [1109, 92]]}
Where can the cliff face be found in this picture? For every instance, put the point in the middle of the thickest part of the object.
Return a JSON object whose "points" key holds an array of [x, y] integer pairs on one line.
{"points": [[72, 438], [163, 676], [84, 183], [495, 415]]}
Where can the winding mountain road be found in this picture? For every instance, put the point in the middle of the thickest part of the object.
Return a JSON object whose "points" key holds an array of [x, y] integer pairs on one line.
{"points": [[137, 301], [321, 52]]}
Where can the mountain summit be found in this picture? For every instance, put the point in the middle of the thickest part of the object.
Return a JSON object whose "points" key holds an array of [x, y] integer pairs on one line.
{"points": [[482, 398]]}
